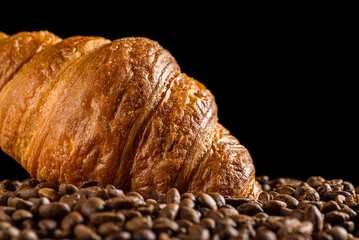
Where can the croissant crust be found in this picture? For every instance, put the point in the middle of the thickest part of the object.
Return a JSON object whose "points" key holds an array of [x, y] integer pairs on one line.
{"points": [[118, 112]]}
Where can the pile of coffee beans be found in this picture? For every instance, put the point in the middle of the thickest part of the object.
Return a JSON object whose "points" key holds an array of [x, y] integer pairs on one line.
{"points": [[287, 209]]}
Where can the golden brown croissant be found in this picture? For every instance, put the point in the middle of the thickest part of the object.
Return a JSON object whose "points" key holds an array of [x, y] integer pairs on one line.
{"points": [[120, 112]]}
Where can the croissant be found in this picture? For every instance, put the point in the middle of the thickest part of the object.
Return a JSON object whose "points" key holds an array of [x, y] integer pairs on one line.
{"points": [[117, 112]]}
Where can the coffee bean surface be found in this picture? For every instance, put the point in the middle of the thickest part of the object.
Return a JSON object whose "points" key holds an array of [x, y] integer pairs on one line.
{"points": [[315, 208]]}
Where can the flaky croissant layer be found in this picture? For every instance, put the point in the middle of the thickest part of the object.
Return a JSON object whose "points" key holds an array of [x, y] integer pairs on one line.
{"points": [[117, 112]]}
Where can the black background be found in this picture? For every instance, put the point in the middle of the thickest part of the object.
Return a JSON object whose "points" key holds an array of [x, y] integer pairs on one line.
{"points": [[284, 79]]}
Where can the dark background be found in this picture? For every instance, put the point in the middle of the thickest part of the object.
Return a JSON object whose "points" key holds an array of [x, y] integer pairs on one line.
{"points": [[284, 80]]}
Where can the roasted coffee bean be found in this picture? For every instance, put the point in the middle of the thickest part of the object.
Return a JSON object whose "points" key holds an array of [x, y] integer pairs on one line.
{"points": [[19, 203], [4, 217], [128, 202], [9, 232], [236, 201], [207, 201], [273, 206], [50, 193], [7, 185], [290, 201], [100, 217], [338, 233], [54, 210], [67, 189], [189, 214], [48, 225], [197, 232], [27, 192], [216, 215], [286, 190], [108, 228], [83, 232], [313, 215], [218, 198], [170, 211], [286, 209], [173, 196], [130, 213], [208, 223], [71, 220], [123, 235], [266, 234], [70, 200], [4, 196], [264, 196], [89, 184], [249, 208], [91, 205], [21, 215], [27, 234], [187, 202], [336, 217], [188, 195], [144, 234], [138, 223], [37, 202], [47, 185], [166, 225]]}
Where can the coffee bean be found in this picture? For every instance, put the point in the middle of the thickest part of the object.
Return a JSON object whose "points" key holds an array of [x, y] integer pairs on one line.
{"points": [[47, 185], [170, 211], [128, 202], [21, 215], [313, 215], [266, 234], [207, 201], [218, 198], [9, 232], [173, 196], [70, 200], [286, 209], [91, 205], [50, 193], [7, 185], [144, 234], [264, 196], [130, 213], [187, 202], [54, 210], [290, 201], [123, 235], [108, 228], [27, 234], [48, 225], [100, 217], [138, 223], [208, 223], [273, 206], [71, 220], [338, 233], [188, 195], [166, 225], [189, 214], [4, 196], [249, 208], [83, 232], [19, 203], [336, 217], [236, 201], [37, 202], [67, 189], [197, 232]]}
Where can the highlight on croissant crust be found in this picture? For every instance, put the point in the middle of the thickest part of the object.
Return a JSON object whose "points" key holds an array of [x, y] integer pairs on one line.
{"points": [[118, 112]]}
